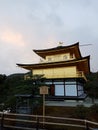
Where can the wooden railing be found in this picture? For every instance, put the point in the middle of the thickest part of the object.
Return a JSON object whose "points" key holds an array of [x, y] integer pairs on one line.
{"points": [[27, 122]]}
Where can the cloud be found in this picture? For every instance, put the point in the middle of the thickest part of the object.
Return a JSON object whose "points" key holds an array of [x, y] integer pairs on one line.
{"points": [[42, 24], [11, 37]]}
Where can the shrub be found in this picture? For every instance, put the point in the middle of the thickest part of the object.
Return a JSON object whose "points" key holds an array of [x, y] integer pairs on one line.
{"points": [[80, 112], [94, 108]]}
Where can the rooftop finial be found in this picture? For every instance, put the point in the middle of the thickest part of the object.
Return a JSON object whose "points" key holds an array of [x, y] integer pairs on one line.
{"points": [[60, 43]]}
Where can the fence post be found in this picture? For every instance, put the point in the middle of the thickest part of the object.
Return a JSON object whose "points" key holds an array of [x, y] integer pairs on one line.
{"points": [[86, 125], [2, 121], [37, 124]]}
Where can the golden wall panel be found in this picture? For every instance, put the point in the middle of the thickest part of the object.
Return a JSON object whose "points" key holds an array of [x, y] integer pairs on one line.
{"points": [[60, 57], [62, 72]]}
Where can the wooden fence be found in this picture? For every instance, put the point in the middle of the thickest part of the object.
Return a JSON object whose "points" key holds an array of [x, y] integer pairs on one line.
{"points": [[29, 122]]}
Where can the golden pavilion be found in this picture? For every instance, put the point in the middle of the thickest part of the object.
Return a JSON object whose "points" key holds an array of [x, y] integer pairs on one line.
{"points": [[64, 70]]}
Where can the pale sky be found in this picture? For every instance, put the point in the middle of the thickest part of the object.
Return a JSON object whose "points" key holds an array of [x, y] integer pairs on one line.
{"points": [[38, 24]]}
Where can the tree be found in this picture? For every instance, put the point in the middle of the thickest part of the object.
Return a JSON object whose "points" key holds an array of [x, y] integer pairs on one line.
{"points": [[92, 85], [2, 78]]}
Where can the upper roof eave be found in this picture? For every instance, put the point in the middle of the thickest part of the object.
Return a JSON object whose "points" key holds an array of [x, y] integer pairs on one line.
{"points": [[57, 50]]}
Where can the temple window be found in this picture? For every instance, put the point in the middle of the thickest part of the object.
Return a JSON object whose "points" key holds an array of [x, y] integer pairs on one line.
{"points": [[65, 57], [49, 59], [72, 56]]}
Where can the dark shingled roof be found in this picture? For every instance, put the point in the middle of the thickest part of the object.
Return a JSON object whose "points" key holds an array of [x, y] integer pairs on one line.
{"points": [[59, 50]]}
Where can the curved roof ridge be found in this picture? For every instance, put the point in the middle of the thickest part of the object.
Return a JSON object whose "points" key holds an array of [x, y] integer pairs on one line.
{"points": [[58, 47], [74, 48]]}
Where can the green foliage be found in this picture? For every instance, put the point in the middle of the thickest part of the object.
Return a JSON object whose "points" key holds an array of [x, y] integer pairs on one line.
{"points": [[12, 85], [80, 112], [94, 108], [15, 84], [92, 85], [3, 89], [2, 78]]}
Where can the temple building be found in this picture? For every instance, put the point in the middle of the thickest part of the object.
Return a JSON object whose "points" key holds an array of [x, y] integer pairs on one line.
{"points": [[64, 70]]}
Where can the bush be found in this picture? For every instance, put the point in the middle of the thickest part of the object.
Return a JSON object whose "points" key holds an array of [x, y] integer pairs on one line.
{"points": [[80, 112], [94, 108]]}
